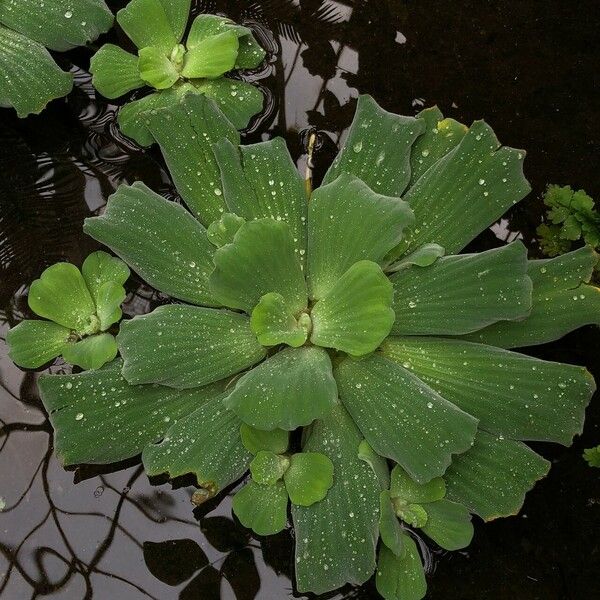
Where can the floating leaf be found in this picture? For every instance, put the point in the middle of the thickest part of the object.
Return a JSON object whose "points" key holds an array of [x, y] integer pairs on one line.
{"points": [[115, 72], [356, 314], [156, 69], [401, 577], [404, 487], [268, 468], [389, 527], [309, 478], [91, 352], [186, 346], [449, 525], [290, 389], [348, 222], [211, 57], [255, 440], [463, 293], [424, 256], [414, 515], [262, 508], [274, 323], [402, 418], [223, 231], [511, 394], [34, 343]]}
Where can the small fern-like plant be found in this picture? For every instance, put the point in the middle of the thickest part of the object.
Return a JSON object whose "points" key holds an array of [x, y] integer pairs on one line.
{"points": [[339, 346]]}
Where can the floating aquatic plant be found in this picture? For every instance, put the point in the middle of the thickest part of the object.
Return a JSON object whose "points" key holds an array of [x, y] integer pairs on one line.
{"points": [[592, 456], [29, 77], [349, 317], [78, 307], [173, 67]]}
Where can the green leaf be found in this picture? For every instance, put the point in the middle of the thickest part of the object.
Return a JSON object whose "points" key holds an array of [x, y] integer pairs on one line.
{"points": [[412, 514], [336, 538], [550, 242], [424, 256], [401, 577], [34, 343], [212, 57], [463, 293], [186, 346], [161, 241], [402, 418], [377, 149], [108, 304], [309, 478], [115, 72], [30, 77], [268, 468], [261, 181], [449, 525], [238, 100], [206, 443], [440, 136], [261, 259], [492, 478], [178, 12], [250, 53], [207, 26], [273, 323], [356, 314], [592, 456], [186, 131], [376, 462], [61, 295], [407, 489], [348, 222], [148, 23], [511, 394], [471, 186], [156, 69], [99, 418], [290, 389], [91, 352], [223, 231], [255, 440], [262, 508], [58, 24], [562, 302], [389, 526]]}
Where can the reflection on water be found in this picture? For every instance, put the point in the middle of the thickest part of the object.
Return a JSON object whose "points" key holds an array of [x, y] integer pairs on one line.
{"points": [[109, 533]]}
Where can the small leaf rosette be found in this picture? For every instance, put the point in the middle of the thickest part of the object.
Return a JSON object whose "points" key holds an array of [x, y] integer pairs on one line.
{"points": [[78, 307], [350, 318], [172, 66]]}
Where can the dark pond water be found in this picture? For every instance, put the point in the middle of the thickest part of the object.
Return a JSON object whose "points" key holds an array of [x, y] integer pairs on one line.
{"points": [[528, 67]]}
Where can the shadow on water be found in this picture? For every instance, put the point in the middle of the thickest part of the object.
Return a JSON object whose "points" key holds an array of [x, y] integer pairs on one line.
{"points": [[109, 533]]}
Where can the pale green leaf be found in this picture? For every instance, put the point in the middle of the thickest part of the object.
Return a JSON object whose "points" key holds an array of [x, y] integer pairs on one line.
{"points": [[377, 149], [186, 131], [348, 222], [336, 538], [206, 443], [115, 72], [178, 12], [424, 256], [261, 259], [99, 418], [223, 231], [207, 26], [156, 69], [33, 343], [562, 302], [402, 418], [187, 346], [30, 77], [414, 515], [290, 389], [61, 295], [356, 314], [273, 323], [108, 304], [255, 440], [462, 293], [309, 478], [492, 478], [261, 181], [268, 468], [91, 352], [511, 394], [401, 578], [448, 525], [262, 508], [389, 526], [376, 462], [58, 24], [212, 57], [161, 241], [404, 487]]}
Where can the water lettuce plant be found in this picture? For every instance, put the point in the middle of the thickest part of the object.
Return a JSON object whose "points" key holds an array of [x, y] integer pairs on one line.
{"points": [[29, 77], [172, 67], [340, 346], [77, 309]]}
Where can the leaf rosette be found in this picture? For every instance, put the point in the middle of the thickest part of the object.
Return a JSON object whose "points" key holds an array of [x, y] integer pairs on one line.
{"points": [[173, 66], [352, 316]]}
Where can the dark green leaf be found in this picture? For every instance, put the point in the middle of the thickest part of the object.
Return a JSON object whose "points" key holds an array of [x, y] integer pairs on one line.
{"points": [[262, 508], [187, 346], [34, 343], [274, 323], [389, 526], [401, 578], [309, 478], [255, 440], [402, 418], [115, 72], [376, 462], [414, 515], [448, 525], [404, 487]]}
